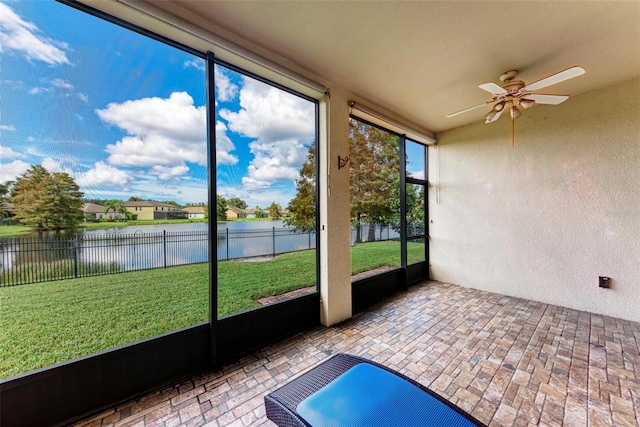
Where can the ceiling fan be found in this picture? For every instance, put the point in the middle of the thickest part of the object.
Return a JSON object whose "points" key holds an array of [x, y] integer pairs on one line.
{"points": [[514, 95]]}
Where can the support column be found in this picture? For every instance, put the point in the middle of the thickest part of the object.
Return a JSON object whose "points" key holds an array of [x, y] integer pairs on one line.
{"points": [[335, 231]]}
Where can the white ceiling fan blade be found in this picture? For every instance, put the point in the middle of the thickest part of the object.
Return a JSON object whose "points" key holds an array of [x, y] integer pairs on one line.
{"points": [[546, 99], [567, 74], [468, 109], [493, 88]]}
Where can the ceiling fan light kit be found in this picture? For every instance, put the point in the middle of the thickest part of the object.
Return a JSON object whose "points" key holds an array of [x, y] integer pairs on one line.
{"points": [[515, 95], [527, 103], [515, 113]]}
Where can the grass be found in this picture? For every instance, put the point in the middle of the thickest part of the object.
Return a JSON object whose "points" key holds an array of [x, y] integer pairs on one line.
{"points": [[15, 231], [57, 269], [45, 323]]}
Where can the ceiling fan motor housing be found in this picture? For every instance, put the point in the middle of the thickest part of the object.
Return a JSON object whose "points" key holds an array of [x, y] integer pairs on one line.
{"points": [[513, 86], [508, 76]]}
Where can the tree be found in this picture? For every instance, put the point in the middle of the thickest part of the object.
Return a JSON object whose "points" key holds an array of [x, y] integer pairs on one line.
{"points": [[259, 212], [415, 208], [135, 199], [238, 203], [118, 208], [374, 168], [47, 199], [28, 196], [275, 211], [100, 202], [5, 191], [302, 207], [221, 208], [67, 200]]}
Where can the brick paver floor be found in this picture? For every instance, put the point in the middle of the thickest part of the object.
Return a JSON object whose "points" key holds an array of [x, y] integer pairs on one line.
{"points": [[508, 361]]}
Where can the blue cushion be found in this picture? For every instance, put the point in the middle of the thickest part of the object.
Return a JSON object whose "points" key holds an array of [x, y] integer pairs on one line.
{"points": [[366, 396]]}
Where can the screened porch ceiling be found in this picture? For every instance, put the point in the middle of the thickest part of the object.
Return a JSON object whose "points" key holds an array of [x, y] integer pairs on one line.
{"points": [[422, 60]]}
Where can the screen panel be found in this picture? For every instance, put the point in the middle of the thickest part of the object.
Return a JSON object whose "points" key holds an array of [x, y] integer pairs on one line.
{"points": [[104, 176]]}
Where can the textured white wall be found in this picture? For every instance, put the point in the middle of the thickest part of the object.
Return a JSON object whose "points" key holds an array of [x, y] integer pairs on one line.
{"points": [[544, 219], [335, 239]]}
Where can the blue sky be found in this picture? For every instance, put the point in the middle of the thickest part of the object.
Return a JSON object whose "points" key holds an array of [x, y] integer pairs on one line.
{"points": [[125, 114]]}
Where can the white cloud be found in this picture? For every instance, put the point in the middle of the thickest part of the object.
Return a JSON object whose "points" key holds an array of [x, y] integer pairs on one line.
{"points": [[416, 174], [9, 128], [53, 165], [225, 90], [7, 153], [194, 191], [224, 146], [165, 173], [198, 64], [278, 161], [10, 171], [103, 174], [281, 123], [62, 84], [23, 37], [14, 84], [160, 131], [270, 114]]}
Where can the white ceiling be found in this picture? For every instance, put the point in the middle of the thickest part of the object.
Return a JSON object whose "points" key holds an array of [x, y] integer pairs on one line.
{"points": [[422, 60]]}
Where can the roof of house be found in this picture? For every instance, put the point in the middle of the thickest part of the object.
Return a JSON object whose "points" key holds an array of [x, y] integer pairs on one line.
{"points": [[194, 209], [93, 208], [147, 203], [236, 209]]}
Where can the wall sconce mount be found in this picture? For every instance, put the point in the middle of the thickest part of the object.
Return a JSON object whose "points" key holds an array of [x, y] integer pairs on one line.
{"points": [[342, 162]]}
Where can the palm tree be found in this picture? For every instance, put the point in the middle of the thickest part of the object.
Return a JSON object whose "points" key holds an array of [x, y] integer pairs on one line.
{"points": [[117, 207]]}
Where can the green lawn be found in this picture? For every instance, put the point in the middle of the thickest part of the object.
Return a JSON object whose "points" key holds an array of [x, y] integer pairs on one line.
{"points": [[45, 323], [15, 231]]}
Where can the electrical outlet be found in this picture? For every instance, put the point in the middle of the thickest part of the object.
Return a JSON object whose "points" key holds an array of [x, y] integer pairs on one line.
{"points": [[604, 282]]}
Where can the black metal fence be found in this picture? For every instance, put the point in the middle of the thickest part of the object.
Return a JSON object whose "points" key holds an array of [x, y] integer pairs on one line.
{"points": [[31, 260], [43, 259]]}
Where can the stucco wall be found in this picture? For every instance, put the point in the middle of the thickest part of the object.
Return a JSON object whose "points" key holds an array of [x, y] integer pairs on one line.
{"points": [[544, 219], [335, 240]]}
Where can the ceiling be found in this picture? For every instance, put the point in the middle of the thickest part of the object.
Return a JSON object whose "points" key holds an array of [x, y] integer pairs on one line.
{"points": [[422, 60]]}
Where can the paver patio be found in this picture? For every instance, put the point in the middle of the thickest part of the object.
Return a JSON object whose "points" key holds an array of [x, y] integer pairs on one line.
{"points": [[507, 361]]}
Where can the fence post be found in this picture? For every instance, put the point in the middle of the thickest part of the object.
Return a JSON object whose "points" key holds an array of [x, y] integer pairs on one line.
{"points": [[227, 243], [274, 241], [75, 255], [309, 239], [164, 246]]}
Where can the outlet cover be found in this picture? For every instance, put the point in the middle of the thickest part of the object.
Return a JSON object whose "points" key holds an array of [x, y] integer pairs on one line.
{"points": [[604, 282]]}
